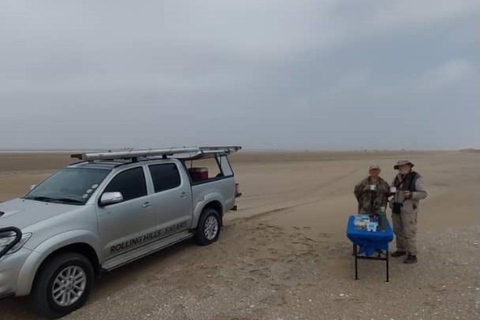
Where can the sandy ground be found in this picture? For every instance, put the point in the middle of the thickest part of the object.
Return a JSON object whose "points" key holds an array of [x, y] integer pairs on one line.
{"points": [[284, 254]]}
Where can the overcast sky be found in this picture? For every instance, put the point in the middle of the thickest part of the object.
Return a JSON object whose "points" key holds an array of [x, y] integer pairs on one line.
{"points": [[291, 74]]}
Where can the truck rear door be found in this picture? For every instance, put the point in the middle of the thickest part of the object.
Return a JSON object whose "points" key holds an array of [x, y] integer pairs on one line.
{"points": [[172, 198]]}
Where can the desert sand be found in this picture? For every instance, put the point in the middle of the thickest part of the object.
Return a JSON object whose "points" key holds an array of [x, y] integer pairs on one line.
{"points": [[284, 254]]}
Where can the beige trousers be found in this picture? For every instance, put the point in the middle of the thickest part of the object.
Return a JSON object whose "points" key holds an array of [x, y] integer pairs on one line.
{"points": [[405, 229]]}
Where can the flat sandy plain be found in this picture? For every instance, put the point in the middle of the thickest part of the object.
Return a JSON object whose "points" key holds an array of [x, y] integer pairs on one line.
{"points": [[284, 254]]}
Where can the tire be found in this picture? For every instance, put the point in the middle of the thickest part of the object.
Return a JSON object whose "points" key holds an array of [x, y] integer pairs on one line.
{"points": [[208, 228], [63, 265]]}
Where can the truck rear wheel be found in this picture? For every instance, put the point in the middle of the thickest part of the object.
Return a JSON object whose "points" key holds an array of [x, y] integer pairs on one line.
{"points": [[208, 229], [62, 285]]}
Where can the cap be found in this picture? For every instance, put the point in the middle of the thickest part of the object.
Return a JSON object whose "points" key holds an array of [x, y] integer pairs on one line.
{"points": [[374, 167], [402, 163]]}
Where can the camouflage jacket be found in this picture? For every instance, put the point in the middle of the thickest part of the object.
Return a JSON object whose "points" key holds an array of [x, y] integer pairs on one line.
{"points": [[363, 195]]}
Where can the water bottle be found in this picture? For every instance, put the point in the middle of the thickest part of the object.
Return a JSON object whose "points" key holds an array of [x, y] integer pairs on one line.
{"points": [[382, 221]]}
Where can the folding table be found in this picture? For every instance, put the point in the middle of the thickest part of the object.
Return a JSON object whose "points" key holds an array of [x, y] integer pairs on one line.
{"points": [[370, 245]]}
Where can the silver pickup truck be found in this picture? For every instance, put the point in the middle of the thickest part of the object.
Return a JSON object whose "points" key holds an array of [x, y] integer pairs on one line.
{"points": [[105, 211]]}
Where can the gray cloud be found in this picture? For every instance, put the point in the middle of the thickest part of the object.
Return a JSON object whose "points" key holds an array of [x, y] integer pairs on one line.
{"points": [[265, 74]]}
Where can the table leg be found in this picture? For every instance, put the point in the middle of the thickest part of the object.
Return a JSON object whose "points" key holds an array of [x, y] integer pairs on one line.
{"points": [[356, 261], [388, 275]]}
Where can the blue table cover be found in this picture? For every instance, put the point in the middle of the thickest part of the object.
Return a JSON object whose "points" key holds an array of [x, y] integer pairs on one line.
{"points": [[369, 242]]}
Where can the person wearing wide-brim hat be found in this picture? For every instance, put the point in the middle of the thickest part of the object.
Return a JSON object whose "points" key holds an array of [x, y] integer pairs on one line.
{"points": [[409, 191], [372, 202]]}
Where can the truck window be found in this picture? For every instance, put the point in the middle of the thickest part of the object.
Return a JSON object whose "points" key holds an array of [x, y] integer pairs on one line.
{"points": [[225, 166], [165, 176], [204, 169], [74, 184], [131, 183]]}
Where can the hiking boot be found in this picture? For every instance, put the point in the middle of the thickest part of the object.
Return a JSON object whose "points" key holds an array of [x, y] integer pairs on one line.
{"points": [[410, 259], [397, 254]]}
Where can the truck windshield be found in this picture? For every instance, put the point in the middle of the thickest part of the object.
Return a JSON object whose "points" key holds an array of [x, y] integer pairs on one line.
{"points": [[71, 186]]}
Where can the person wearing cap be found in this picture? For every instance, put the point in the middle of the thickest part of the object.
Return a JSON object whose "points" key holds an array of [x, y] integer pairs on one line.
{"points": [[409, 191], [372, 192]]}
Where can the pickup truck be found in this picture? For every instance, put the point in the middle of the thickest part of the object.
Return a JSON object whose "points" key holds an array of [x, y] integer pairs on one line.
{"points": [[105, 211]]}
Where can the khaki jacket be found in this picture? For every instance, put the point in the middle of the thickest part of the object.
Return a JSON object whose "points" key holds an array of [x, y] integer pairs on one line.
{"points": [[411, 205]]}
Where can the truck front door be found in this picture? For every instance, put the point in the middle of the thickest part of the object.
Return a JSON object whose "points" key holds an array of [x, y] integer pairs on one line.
{"points": [[126, 225]]}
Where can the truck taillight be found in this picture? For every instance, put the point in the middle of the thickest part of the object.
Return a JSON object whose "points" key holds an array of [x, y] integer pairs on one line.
{"points": [[237, 190]]}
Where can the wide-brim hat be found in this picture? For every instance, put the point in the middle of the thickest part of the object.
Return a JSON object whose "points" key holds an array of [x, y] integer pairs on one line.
{"points": [[402, 163]]}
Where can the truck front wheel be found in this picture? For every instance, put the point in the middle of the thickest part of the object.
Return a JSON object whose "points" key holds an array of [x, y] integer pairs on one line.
{"points": [[208, 229], [63, 285]]}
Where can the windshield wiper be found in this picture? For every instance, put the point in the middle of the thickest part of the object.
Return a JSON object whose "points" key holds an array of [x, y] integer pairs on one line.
{"points": [[49, 199], [44, 199], [69, 200]]}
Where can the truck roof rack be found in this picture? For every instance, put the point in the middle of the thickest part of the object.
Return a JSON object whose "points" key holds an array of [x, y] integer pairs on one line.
{"points": [[134, 155]]}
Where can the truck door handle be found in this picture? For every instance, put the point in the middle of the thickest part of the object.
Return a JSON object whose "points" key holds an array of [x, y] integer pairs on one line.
{"points": [[146, 204], [183, 195]]}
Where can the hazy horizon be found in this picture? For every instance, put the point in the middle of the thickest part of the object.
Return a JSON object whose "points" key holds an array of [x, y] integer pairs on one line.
{"points": [[243, 150]]}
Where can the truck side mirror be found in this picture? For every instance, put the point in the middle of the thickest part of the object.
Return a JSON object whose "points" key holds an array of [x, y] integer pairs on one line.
{"points": [[110, 198]]}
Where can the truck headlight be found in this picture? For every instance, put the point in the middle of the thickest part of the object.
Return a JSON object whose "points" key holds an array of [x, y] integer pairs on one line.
{"points": [[6, 238]]}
